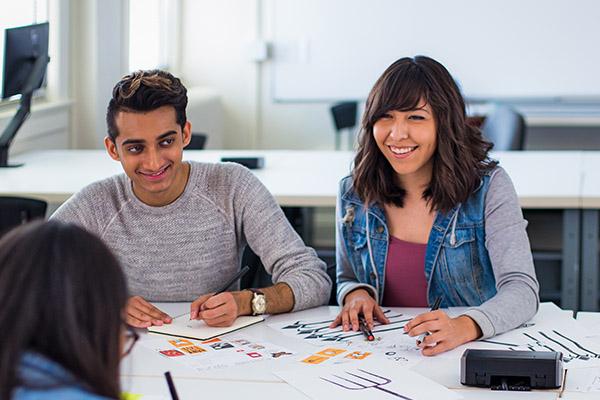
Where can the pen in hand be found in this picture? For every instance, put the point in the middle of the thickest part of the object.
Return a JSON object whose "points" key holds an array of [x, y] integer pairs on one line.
{"points": [[435, 306], [230, 282], [235, 278], [364, 328]]}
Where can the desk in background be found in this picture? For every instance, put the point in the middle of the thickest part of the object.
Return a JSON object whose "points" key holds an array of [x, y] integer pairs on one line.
{"points": [[543, 180]]}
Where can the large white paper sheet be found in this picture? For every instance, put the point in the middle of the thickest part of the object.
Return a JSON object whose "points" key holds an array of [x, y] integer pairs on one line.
{"points": [[376, 379], [583, 380], [390, 340], [551, 329], [216, 353]]}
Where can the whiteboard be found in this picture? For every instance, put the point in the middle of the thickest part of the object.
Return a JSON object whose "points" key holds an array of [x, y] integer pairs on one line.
{"points": [[522, 49]]}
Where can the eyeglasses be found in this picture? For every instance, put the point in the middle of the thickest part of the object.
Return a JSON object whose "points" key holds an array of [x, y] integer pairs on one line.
{"points": [[130, 337]]}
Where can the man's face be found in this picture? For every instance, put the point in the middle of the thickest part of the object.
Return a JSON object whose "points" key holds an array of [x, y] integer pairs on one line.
{"points": [[149, 146]]}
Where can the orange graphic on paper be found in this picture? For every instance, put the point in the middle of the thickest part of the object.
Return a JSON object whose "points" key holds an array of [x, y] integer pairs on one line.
{"points": [[211, 340], [331, 352], [180, 342], [192, 349], [315, 359], [358, 355]]}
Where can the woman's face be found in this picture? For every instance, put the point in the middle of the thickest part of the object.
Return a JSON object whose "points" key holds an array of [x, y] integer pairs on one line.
{"points": [[408, 140]]}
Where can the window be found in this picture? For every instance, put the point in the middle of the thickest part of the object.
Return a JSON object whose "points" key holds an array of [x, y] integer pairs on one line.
{"points": [[22, 12], [153, 34]]}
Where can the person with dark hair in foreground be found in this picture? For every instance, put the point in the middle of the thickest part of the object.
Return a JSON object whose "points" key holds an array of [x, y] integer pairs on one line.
{"points": [[427, 215], [179, 228], [54, 269]]}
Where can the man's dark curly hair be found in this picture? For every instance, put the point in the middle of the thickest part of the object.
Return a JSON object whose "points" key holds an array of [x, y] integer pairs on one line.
{"points": [[143, 91]]}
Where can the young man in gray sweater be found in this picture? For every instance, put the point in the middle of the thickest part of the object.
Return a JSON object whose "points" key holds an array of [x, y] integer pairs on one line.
{"points": [[179, 228]]}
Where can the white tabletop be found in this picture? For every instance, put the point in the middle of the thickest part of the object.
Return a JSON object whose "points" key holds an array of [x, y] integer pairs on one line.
{"points": [[544, 179], [591, 320], [142, 371]]}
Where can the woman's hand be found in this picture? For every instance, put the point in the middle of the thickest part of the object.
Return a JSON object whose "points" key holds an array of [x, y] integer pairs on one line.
{"points": [[445, 333], [359, 302]]}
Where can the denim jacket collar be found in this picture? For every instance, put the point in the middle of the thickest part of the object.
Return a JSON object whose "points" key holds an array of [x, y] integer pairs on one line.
{"points": [[38, 369], [375, 209]]}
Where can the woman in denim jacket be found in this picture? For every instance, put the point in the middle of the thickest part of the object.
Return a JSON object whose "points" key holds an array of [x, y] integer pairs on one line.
{"points": [[63, 295], [427, 214]]}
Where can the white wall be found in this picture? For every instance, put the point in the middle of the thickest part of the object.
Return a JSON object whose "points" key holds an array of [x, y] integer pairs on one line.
{"points": [[216, 38], [97, 62], [215, 35]]}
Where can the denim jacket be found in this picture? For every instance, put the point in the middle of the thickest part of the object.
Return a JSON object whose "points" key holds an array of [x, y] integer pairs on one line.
{"points": [[44, 379], [457, 264], [496, 279]]}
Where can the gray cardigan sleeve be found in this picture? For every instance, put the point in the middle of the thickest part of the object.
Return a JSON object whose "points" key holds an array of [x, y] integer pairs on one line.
{"points": [[516, 300], [280, 248]]}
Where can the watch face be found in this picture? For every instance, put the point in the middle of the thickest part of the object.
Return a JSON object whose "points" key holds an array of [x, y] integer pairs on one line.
{"points": [[259, 303]]}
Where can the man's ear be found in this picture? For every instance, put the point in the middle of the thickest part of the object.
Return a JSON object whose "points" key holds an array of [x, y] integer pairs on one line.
{"points": [[111, 148], [187, 133]]}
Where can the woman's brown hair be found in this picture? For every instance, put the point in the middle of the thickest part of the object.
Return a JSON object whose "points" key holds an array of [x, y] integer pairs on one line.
{"points": [[461, 156], [62, 293]]}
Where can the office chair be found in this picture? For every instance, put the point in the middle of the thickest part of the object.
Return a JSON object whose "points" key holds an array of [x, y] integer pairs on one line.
{"points": [[198, 141], [504, 127], [257, 276], [18, 210], [332, 272], [344, 117]]}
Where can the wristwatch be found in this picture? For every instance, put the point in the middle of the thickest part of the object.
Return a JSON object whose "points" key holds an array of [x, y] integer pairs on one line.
{"points": [[259, 302]]}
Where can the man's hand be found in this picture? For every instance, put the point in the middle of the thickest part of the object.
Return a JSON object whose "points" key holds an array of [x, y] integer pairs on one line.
{"points": [[445, 333], [355, 303], [216, 310], [141, 314]]}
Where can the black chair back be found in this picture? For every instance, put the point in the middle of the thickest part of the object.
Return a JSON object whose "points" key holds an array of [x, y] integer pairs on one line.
{"points": [[344, 117], [257, 276], [331, 271], [198, 141], [18, 210], [505, 127]]}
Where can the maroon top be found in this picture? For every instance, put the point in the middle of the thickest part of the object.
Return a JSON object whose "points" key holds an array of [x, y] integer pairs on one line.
{"points": [[405, 284]]}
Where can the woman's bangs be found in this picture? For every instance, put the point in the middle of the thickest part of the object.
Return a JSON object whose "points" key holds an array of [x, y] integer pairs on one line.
{"points": [[401, 92]]}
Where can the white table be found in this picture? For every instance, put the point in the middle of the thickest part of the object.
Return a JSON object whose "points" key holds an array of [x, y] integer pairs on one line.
{"points": [[543, 180], [295, 178], [142, 371]]}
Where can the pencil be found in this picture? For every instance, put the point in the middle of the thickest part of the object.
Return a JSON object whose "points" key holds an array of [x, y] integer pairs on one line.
{"points": [[171, 385], [236, 277], [364, 328], [564, 384], [230, 282], [435, 306]]}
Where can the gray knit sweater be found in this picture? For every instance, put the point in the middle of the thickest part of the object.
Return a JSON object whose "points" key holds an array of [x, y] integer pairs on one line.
{"points": [[193, 245]]}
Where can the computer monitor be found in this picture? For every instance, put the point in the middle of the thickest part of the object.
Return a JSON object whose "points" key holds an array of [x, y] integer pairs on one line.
{"points": [[22, 46], [25, 61]]}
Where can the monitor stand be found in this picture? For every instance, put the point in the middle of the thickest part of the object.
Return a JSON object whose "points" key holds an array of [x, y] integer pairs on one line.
{"points": [[6, 137], [4, 159]]}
